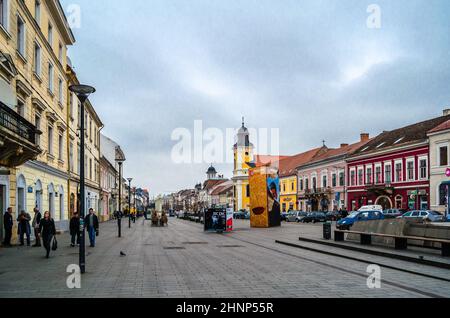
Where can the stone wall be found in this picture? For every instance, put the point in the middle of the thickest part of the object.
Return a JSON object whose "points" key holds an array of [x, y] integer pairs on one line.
{"points": [[400, 227]]}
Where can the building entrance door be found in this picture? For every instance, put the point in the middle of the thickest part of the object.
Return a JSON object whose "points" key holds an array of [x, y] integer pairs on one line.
{"points": [[385, 202]]}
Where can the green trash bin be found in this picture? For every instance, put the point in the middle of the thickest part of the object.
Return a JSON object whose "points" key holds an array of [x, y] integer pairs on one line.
{"points": [[327, 230]]}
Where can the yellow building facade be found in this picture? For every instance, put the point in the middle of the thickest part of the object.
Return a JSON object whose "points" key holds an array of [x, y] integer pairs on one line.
{"points": [[288, 193], [35, 34], [243, 154]]}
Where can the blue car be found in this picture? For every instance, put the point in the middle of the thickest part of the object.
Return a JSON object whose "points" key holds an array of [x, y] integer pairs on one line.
{"points": [[359, 216]]}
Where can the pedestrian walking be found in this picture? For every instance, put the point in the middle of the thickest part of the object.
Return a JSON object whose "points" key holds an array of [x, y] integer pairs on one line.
{"points": [[91, 224], [8, 226], [48, 231], [36, 222], [75, 229], [24, 228]]}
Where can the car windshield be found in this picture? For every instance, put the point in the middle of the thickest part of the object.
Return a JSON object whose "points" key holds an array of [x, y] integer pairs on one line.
{"points": [[353, 214]]}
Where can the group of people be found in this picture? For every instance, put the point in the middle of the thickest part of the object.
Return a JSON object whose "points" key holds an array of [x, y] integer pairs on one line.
{"points": [[45, 229]]}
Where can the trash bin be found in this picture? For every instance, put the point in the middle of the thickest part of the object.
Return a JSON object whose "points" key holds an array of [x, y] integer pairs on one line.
{"points": [[327, 230]]}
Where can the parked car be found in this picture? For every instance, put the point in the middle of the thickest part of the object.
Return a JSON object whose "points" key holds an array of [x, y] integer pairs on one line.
{"points": [[283, 216], [359, 216], [392, 213], [300, 216], [371, 208], [292, 216], [333, 216], [247, 215], [432, 216], [314, 217], [240, 215]]}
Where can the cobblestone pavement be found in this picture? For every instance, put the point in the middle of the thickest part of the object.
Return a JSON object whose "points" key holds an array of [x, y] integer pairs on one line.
{"points": [[183, 261]]}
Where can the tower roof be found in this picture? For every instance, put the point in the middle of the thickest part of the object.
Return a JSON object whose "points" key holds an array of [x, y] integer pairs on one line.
{"points": [[211, 170]]}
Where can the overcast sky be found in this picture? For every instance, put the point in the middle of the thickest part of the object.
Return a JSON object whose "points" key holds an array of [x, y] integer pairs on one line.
{"points": [[313, 69]]}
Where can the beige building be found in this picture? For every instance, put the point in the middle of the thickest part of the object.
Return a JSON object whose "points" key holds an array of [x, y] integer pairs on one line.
{"points": [[93, 126], [34, 36], [439, 139]]}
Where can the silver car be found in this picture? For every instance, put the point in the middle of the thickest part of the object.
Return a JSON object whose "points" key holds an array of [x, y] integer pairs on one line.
{"points": [[432, 216]]}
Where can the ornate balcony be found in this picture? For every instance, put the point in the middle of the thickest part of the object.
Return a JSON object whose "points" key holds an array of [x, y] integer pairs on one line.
{"points": [[17, 138]]}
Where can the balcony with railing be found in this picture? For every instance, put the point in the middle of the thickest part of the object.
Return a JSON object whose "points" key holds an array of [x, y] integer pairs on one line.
{"points": [[17, 138]]}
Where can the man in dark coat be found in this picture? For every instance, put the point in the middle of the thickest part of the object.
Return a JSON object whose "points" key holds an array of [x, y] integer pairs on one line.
{"points": [[75, 229], [36, 222], [8, 225], [24, 227], [91, 225]]}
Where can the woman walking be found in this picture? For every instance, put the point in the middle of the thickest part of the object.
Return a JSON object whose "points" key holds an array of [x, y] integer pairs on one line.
{"points": [[48, 231]]}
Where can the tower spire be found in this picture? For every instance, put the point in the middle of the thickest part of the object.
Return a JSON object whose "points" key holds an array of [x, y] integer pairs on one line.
{"points": [[243, 121]]}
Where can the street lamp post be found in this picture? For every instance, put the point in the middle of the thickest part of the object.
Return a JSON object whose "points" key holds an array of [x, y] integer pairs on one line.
{"points": [[82, 92], [129, 201], [120, 158]]}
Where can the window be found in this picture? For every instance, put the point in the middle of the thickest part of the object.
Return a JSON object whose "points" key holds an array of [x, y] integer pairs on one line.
{"points": [[50, 77], [369, 175], [378, 174], [334, 180], [61, 147], [60, 53], [314, 183], [341, 179], [410, 170], [353, 178], [360, 177], [292, 186], [398, 172], [388, 173], [71, 105], [20, 36], [423, 167], [37, 59], [37, 123], [60, 91], [4, 13], [248, 191], [324, 181], [443, 156], [306, 184], [79, 114], [301, 184], [21, 108], [50, 140], [37, 11], [71, 156], [50, 34]]}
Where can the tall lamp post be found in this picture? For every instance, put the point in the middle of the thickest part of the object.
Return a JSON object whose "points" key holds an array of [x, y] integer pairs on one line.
{"points": [[82, 92], [120, 159], [129, 201]]}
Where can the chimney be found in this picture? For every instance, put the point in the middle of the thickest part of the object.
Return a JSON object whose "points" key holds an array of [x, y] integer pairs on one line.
{"points": [[344, 145], [365, 137], [446, 112]]}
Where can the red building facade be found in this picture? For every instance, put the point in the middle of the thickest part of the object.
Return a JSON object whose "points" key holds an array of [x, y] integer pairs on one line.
{"points": [[392, 170], [395, 179]]}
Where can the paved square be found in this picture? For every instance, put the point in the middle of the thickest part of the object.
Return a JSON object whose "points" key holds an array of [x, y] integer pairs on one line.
{"points": [[183, 261]]}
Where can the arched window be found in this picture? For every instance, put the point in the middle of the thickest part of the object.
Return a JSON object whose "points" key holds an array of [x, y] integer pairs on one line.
{"points": [[21, 194], [51, 199], [38, 195], [62, 212]]}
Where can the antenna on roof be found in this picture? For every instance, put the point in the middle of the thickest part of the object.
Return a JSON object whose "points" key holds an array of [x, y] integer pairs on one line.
{"points": [[323, 141], [243, 122]]}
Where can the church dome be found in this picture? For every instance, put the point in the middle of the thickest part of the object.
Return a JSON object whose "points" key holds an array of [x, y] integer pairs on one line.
{"points": [[211, 170]]}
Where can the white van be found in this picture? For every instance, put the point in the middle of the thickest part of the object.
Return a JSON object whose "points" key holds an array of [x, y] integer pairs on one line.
{"points": [[371, 208]]}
